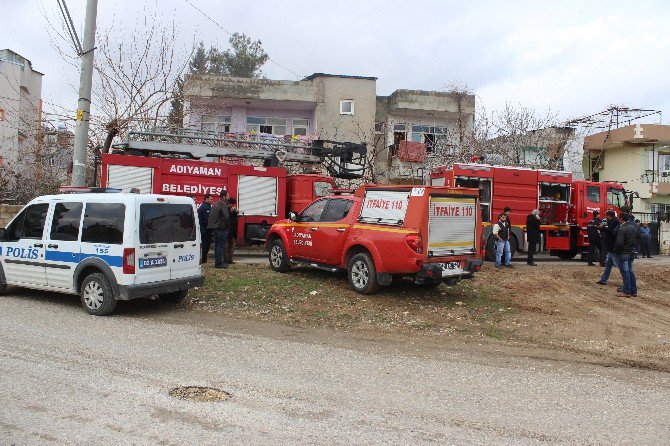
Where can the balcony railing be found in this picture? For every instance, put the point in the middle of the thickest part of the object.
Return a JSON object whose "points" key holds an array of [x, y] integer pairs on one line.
{"points": [[651, 177]]}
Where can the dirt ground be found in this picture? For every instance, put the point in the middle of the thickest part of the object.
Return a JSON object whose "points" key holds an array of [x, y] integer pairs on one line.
{"points": [[555, 309]]}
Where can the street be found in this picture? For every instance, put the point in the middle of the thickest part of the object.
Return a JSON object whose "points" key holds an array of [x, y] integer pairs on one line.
{"points": [[70, 378]]}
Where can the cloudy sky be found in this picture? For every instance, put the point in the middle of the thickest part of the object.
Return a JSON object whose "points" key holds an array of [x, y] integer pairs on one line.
{"points": [[576, 58]]}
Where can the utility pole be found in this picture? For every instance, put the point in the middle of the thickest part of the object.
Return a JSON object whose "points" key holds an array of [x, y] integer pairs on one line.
{"points": [[84, 104]]}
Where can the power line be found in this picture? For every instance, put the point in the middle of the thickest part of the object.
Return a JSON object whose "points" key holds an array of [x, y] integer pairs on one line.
{"points": [[230, 34]]}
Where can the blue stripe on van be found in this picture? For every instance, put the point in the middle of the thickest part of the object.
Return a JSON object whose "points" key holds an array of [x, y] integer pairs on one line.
{"points": [[75, 257]]}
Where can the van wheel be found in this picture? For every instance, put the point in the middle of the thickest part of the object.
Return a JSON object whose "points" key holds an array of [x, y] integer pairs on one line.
{"points": [[173, 298], [363, 274], [278, 257], [3, 288], [96, 295]]}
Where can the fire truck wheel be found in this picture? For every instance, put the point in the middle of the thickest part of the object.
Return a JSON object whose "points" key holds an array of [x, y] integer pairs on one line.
{"points": [[566, 255], [363, 274], [278, 257], [491, 249]]}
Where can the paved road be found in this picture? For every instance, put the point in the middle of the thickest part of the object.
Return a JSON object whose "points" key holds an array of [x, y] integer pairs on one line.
{"points": [[69, 378]]}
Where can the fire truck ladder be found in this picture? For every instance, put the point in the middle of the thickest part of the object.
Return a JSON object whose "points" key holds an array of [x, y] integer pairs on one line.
{"points": [[342, 160]]}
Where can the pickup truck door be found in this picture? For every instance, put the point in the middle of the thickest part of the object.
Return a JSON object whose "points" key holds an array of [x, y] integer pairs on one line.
{"points": [[302, 235], [332, 230]]}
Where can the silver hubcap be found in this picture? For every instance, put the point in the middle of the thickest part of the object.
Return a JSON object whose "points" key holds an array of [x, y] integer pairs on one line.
{"points": [[276, 256], [93, 294], [360, 274]]}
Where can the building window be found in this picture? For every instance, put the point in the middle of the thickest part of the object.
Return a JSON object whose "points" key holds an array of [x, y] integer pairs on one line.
{"points": [[215, 123], [428, 135], [399, 134], [270, 126], [664, 165], [347, 107], [300, 127], [379, 128]]}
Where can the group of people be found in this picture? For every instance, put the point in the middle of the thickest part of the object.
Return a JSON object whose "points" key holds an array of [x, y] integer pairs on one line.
{"points": [[618, 241], [218, 221]]}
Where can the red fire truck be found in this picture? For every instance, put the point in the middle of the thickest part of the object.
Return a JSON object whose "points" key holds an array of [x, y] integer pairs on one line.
{"points": [[165, 163], [565, 205]]}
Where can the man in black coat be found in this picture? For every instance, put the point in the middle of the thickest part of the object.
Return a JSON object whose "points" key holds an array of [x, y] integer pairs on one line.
{"points": [[594, 237], [206, 233], [533, 235], [609, 233]]}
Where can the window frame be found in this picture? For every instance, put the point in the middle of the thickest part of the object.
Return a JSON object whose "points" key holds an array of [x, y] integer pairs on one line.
{"points": [[332, 200], [22, 217], [299, 126], [349, 113], [259, 121], [217, 121]]}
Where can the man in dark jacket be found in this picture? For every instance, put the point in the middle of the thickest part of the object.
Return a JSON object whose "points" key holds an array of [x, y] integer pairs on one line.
{"points": [[232, 231], [206, 233], [609, 228], [219, 222], [532, 234], [626, 248], [594, 237]]}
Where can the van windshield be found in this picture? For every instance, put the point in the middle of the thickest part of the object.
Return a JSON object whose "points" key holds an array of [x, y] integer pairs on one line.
{"points": [[166, 223]]}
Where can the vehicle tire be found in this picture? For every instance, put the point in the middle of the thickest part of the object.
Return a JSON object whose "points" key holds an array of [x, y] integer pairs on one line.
{"points": [[97, 296], [174, 297], [3, 289], [491, 249], [513, 246], [362, 274], [278, 257], [565, 255]]}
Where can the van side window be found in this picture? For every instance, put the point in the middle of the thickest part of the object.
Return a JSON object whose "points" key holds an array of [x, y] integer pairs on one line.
{"points": [[166, 223], [65, 223], [336, 210], [103, 223], [28, 224]]}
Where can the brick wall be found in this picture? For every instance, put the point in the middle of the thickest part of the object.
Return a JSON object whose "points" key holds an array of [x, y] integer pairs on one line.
{"points": [[7, 212]]}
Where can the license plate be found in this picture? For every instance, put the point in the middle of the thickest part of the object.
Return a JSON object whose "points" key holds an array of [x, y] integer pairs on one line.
{"points": [[451, 269], [452, 265], [153, 262]]}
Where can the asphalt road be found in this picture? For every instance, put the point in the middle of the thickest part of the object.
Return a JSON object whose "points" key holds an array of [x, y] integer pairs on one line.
{"points": [[70, 378]]}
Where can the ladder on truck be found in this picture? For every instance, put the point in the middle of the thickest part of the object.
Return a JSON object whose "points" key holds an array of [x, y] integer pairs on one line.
{"points": [[341, 159]]}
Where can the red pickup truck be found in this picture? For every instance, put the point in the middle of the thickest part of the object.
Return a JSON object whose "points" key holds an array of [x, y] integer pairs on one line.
{"points": [[431, 233]]}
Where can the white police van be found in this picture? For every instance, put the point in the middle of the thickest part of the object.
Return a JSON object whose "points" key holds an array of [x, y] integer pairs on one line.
{"points": [[104, 247]]}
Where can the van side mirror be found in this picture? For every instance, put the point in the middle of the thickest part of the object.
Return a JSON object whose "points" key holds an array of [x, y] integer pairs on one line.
{"points": [[2, 234], [293, 216]]}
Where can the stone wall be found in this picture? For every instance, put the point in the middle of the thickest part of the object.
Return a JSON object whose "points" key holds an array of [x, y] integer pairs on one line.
{"points": [[665, 238], [7, 212]]}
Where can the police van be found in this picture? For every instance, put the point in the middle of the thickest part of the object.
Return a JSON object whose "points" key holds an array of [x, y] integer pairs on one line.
{"points": [[104, 247]]}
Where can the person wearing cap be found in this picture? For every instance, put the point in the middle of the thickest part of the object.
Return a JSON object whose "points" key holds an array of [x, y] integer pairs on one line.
{"points": [[219, 221]]}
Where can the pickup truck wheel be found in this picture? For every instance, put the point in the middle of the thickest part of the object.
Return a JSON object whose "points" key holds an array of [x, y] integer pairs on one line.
{"points": [[363, 274], [431, 285], [278, 257], [97, 296], [173, 298]]}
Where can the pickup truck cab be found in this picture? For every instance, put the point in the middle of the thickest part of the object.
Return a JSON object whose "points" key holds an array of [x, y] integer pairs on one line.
{"points": [[104, 247], [430, 233]]}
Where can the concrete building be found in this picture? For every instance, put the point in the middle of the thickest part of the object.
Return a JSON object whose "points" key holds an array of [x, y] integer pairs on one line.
{"points": [[637, 156], [20, 110], [336, 107], [56, 153]]}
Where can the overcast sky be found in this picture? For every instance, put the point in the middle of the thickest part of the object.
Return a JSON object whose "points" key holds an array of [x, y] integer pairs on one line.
{"points": [[576, 58]]}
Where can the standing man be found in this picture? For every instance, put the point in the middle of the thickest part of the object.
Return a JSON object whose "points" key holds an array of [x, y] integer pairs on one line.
{"points": [[626, 248], [645, 240], [508, 211], [206, 233], [501, 232], [532, 234], [232, 232], [609, 231], [218, 222], [594, 237]]}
